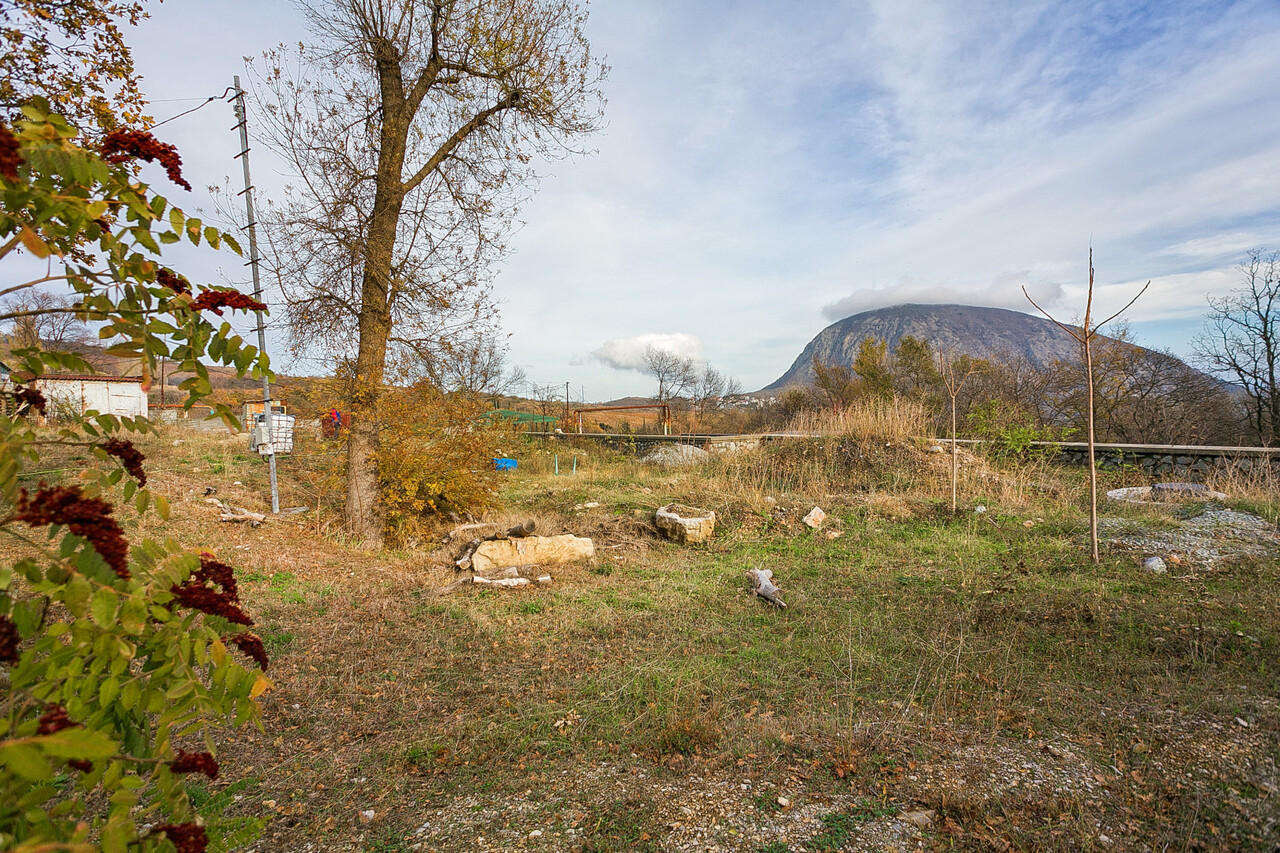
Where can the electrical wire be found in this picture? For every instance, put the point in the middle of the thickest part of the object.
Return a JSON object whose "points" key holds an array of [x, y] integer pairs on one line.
{"points": [[207, 101]]}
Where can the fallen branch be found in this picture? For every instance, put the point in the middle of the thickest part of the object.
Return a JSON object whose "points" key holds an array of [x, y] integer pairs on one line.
{"points": [[237, 513], [464, 528]]}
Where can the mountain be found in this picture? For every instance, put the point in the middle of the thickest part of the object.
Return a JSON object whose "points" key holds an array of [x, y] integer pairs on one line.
{"points": [[960, 328]]}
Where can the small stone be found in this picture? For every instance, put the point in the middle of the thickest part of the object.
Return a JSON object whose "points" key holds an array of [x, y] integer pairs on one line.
{"points": [[771, 501], [936, 449], [1242, 722], [537, 833], [1104, 839], [921, 819], [367, 816], [1155, 565], [815, 517], [979, 509], [834, 534], [784, 802]]}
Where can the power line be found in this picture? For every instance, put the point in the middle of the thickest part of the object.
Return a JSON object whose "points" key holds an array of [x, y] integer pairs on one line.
{"points": [[207, 101]]}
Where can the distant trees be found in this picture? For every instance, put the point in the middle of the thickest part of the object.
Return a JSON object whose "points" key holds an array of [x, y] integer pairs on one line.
{"points": [[41, 319], [1241, 342], [1144, 396], [1140, 395], [682, 381]]}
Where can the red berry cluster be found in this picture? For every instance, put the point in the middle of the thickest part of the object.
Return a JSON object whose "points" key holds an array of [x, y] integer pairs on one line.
{"points": [[198, 594], [87, 517], [125, 144], [9, 639], [10, 158], [185, 837], [25, 395], [216, 300], [54, 719], [195, 762], [130, 457], [170, 279], [251, 644]]}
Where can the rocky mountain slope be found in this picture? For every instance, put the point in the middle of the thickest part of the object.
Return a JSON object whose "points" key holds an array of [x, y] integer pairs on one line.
{"points": [[961, 328]]}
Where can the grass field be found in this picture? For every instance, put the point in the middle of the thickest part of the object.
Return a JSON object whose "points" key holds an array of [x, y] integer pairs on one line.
{"points": [[975, 665]]}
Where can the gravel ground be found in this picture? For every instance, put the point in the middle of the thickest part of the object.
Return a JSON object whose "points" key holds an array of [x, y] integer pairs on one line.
{"points": [[1215, 534]]}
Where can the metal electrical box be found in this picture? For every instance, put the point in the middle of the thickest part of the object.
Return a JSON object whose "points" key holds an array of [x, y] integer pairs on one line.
{"points": [[277, 438]]}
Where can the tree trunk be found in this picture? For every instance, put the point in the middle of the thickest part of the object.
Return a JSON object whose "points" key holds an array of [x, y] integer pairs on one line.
{"points": [[363, 508]]}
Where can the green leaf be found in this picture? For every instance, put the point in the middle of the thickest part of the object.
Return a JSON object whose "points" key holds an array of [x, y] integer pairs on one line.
{"points": [[103, 608], [27, 761], [162, 506], [118, 834], [133, 615], [129, 695], [76, 596], [78, 743]]}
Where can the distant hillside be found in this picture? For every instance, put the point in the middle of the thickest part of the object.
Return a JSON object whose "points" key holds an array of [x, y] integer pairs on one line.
{"points": [[961, 328]]}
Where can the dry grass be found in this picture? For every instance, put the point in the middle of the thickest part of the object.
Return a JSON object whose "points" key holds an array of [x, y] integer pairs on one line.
{"points": [[895, 420], [920, 652]]}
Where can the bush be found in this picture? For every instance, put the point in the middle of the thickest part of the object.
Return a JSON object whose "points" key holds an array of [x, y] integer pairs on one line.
{"points": [[436, 457], [116, 656]]}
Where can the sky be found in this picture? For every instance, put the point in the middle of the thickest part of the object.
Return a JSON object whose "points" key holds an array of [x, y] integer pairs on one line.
{"points": [[766, 169]]}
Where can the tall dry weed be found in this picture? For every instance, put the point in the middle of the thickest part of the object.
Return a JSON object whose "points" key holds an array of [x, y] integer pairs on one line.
{"points": [[1256, 484], [894, 420]]}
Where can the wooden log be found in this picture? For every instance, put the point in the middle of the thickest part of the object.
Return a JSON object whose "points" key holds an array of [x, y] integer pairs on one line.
{"points": [[464, 560], [522, 530]]}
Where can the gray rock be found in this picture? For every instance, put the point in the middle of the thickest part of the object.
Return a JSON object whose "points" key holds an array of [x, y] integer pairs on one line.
{"points": [[1167, 491], [672, 455], [1155, 565], [685, 524]]}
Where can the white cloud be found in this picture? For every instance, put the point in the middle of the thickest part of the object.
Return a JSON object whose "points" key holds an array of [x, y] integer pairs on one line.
{"points": [[877, 152], [1003, 291], [628, 353]]}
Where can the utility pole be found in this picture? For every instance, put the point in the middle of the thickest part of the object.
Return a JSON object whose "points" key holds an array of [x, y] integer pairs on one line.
{"points": [[242, 120]]}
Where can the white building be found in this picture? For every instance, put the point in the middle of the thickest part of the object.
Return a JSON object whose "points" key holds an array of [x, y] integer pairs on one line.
{"points": [[108, 395]]}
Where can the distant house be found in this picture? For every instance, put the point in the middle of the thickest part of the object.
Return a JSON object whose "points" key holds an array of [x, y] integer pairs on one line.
{"points": [[108, 395]]}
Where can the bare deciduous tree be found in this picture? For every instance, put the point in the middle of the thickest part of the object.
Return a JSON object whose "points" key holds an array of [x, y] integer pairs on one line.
{"points": [[673, 373], [411, 126], [1241, 341], [1085, 335], [38, 318], [954, 372]]}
